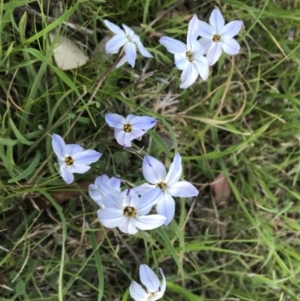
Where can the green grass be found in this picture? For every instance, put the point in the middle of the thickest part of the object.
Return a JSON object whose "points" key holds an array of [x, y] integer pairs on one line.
{"points": [[244, 122]]}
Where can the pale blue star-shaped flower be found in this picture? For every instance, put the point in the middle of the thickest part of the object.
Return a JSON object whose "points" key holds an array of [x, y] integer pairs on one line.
{"points": [[129, 128], [72, 158], [128, 211], [164, 186], [152, 288], [95, 190], [188, 57], [125, 38], [218, 37]]}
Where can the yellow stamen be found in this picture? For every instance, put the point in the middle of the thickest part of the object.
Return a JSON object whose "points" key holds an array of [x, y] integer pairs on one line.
{"points": [[129, 211], [69, 160], [161, 186], [189, 56], [127, 128], [216, 38]]}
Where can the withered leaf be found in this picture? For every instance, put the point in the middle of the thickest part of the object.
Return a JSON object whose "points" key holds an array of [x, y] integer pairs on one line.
{"points": [[220, 188]]}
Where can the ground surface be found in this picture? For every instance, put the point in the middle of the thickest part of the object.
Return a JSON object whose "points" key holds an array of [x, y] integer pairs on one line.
{"points": [[238, 240]]}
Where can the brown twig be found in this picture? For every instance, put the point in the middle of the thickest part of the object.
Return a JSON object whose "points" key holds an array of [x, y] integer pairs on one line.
{"points": [[128, 247]]}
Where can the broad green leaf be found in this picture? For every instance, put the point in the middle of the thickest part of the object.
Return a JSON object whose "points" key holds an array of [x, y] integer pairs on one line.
{"points": [[20, 288], [18, 3], [8, 141], [20, 138]]}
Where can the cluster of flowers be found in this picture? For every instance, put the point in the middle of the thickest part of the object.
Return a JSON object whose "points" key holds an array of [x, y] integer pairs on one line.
{"points": [[129, 209], [215, 38]]}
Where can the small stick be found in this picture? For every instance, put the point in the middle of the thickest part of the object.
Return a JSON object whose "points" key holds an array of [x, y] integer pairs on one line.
{"points": [[34, 13], [128, 247], [149, 74]]}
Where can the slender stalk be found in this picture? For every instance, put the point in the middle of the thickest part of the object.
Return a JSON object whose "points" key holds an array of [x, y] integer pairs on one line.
{"points": [[151, 73], [128, 247], [102, 79]]}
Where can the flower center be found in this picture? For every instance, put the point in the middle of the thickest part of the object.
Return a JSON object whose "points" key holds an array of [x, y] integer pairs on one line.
{"points": [[162, 186], [216, 38], [129, 211], [127, 128], [189, 56], [69, 160], [151, 294]]}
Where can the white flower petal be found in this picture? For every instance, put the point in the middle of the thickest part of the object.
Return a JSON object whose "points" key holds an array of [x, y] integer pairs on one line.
{"points": [[163, 285], [173, 45], [143, 122], [137, 292], [115, 43], [110, 217], [142, 49], [114, 183], [136, 134], [130, 198], [128, 226], [188, 76], [113, 27], [72, 149], [95, 194], [197, 49], [76, 168], [128, 31], [153, 170], [149, 278], [149, 222], [202, 67], [144, 188], [147, 201], [112, 198], [214, 53], [115, 120], [58, 146], [62, 163], [182, 189], [175, 171], [166, 207], [101, 180], [123, 138], [86, 157], [192, 33], [231, 29], [205, 30], [122, 61], [231, 46], [66, 175], [130, 52], [129, 118], [181, 60], [206, 44], [216, 20]]}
